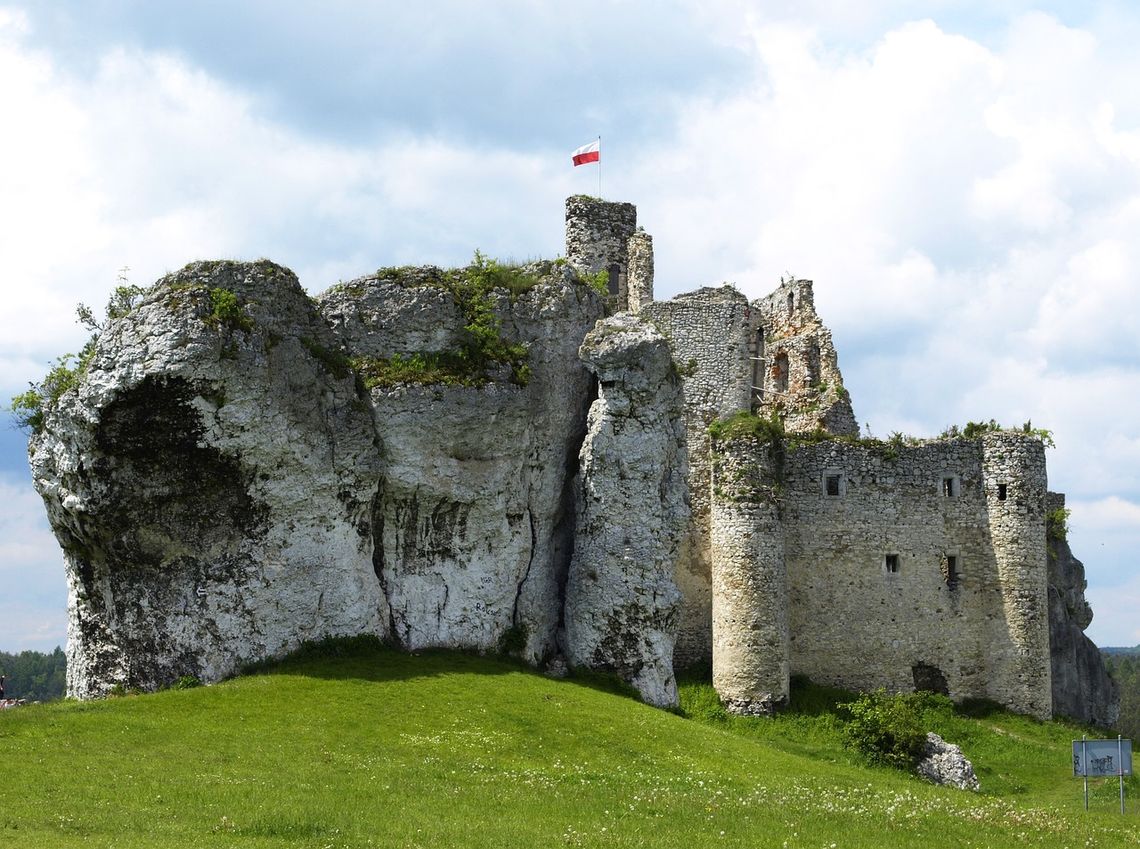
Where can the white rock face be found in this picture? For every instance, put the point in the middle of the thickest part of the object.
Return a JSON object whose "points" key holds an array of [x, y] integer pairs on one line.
{"points": [[225, 488], [475, 508], [944, 763], [622, 605], [211, 485]]}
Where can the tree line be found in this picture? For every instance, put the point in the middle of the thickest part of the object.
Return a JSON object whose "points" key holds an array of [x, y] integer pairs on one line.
{"points": [[34, 675], [1124, 666]]}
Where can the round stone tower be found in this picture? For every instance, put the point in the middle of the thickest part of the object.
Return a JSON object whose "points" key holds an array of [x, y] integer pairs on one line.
{"points": [[1013, 474], [751, 652]]}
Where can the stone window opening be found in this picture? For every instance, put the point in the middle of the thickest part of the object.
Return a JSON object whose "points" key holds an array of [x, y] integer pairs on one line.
{"points": [[929, 678], [834, 484], [950, 486], [780, 372], [613, 285], [891, 564], [950, 570], [1003, 491], [791, 302]]}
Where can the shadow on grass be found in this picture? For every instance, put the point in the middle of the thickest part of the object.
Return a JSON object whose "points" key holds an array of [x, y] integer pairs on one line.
{"points": [[368, 658]]}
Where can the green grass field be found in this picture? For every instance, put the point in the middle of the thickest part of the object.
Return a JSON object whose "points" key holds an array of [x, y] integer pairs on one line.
{"points": [[378, 748]]}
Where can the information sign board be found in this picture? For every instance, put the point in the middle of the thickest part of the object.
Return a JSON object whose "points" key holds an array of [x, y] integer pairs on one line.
{"points": [[1100, 758]]}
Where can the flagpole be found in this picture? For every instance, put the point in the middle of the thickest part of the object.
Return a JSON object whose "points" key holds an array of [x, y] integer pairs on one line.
{"points": [[599, 166]]}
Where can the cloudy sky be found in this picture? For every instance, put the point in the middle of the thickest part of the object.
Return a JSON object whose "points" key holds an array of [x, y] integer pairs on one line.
{"points": [[961, 180]]}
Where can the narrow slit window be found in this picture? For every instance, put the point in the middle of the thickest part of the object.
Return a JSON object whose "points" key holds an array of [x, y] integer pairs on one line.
{"points": [[833, 485], [891, 563], [613, 285], [1003, 491], [791, 302], [951, 569]]}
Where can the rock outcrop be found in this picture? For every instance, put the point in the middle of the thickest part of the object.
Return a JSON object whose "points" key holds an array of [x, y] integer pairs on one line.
{"points": [[622, 605], [1082, 687], [474, 507], [944, 763], [211, 483], [224, 487]]}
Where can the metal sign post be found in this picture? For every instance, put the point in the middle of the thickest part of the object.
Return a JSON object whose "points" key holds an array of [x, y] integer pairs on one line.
{"points": [[1102, 758]]}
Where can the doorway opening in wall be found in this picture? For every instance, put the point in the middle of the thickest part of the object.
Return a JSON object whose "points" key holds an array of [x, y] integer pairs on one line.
{"points": [[891, 564], [756, 354], [929, 678], [612, 284]]}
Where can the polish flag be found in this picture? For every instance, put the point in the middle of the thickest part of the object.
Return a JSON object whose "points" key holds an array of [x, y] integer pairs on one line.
{"points": [[591, 152]]}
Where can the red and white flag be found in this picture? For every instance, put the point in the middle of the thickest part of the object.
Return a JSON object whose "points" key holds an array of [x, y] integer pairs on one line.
{"points": [[591, 152]]}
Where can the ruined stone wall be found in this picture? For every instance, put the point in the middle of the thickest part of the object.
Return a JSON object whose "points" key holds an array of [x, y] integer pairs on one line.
{"points": [[874, 597], [797, 370], [708, 332], [750, 640], [640, 277]]}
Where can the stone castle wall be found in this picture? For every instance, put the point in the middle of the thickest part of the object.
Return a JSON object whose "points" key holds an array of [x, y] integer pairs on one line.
{"points": [[910, 575]]}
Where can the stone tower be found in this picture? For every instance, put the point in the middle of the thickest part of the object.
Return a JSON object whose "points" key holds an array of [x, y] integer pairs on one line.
{"points": [[1013, 468], [603, 236], [750, 641]]}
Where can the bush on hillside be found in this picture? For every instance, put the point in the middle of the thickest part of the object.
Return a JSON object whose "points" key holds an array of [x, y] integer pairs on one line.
{"points": [[890, 730]]}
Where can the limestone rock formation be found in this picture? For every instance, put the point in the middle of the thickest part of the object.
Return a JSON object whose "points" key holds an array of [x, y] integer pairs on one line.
{"points": [[474, 507], [621, 602], [1082, 687], [210, 482], [944, 763]]}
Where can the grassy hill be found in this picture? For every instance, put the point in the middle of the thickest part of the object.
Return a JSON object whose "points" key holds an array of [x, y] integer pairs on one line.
{"points": [[377, 748]]}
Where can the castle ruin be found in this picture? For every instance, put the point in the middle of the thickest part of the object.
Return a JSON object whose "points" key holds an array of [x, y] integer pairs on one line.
{"points": [[679, 482]]}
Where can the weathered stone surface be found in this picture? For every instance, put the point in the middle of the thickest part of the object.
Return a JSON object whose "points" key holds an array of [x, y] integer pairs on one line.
{"points": [[210, 485], [621, 602], [1082, 687], [751, 669], [943, 763], [395, 311], [475, 512]]}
